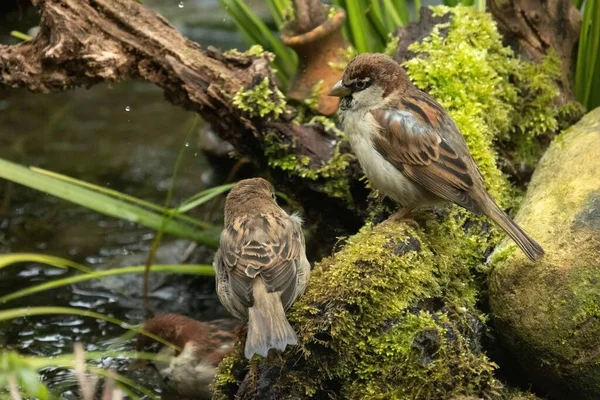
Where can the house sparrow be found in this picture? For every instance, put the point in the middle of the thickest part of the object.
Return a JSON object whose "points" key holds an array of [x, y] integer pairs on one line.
{"points": [[408, 146], [261, 266], [202, 346]]}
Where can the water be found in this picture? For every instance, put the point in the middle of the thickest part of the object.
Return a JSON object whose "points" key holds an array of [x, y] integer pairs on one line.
{"points": [[125, 137]]}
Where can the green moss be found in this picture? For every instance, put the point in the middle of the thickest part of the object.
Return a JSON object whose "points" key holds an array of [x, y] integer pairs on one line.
{"points": [[346, 55], [261, 100], [331, 176], [490, 93], [547, 313], [227, 371], [313, 101], [254, 51], [392, 46], [397, 322]]}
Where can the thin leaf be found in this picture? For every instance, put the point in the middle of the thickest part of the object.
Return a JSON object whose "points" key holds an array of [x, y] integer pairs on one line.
{"points": [[587, 75], [15, 258], [6, 315], [166, 216], [256, 32], [20, 35], [205, 270], [203, 197], [359, 26], [123, 380], [100, 202], [398, 11]]}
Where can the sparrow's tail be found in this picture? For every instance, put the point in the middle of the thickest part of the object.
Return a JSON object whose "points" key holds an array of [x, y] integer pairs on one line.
{"points": [[529, 246], [268, 328]]}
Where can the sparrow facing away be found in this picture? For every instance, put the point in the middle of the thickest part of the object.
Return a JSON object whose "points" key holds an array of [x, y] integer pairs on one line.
{"points": [[409, 147], [261, 266], [203, 345]]}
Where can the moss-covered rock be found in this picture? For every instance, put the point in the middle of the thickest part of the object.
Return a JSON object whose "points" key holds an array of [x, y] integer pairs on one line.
{"points": [[548, 314], [391, 316]]}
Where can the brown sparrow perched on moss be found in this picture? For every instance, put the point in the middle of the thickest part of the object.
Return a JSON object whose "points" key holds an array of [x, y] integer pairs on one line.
{"points": [[261, 266], [202, 345], [408, 146]]}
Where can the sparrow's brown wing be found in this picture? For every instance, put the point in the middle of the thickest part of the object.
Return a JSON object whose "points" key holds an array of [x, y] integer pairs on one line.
{"points": [[420, 140], [268, 246]]}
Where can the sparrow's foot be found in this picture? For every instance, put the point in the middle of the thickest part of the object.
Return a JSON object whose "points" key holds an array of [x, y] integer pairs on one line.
{"points": [[403, 215]]}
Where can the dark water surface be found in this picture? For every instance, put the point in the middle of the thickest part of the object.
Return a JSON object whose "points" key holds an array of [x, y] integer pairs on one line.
{"points": [[125, 137]]}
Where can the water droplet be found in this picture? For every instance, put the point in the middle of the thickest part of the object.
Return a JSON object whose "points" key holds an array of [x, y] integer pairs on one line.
{"points": [[181, 4], [127, 108], [187, 144]]}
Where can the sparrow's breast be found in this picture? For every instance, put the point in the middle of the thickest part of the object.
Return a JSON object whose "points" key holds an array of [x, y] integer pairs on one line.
{"points": [[360, 126]]}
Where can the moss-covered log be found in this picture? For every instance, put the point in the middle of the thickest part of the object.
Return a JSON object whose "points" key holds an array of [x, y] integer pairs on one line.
{"points": [[548, 313]]}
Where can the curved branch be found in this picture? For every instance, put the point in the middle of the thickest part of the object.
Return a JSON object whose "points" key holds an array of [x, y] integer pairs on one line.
{"points": [[86, 42]]}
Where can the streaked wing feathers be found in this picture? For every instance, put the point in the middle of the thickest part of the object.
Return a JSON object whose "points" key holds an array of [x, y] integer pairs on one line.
{"points": [[266, 245], [410, 141]]}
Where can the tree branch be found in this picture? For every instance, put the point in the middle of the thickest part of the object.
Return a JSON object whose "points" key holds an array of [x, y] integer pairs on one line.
{"points": [[86, 42]]}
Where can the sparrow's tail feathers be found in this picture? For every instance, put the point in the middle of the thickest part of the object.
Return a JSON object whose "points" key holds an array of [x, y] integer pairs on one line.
{"points": [[529, 246], [268, 328]]}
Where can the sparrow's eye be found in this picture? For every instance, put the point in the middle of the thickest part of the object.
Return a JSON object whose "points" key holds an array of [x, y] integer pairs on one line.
{"points": [[361, 85]]}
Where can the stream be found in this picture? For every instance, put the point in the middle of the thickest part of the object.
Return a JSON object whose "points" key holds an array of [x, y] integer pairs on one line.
{"points": [[125, 137]]}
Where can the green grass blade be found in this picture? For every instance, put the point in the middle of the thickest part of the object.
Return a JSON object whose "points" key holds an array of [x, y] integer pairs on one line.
{"points": [[6, 315], [279, 9], [359, 26], [256, 32], [450, 3], [15, 258], [100, 202], [123, 380], [398, 11], [417, 9], [20, 35], [203, 197], [68, 360], [205, 270], [122, 196], [578, 4], [378, 22], [587, 75]]}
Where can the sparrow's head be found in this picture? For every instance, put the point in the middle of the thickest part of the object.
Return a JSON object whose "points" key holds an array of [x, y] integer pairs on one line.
{"points": [[168, 327], [200, 347], [368, 80], [250, 195]]}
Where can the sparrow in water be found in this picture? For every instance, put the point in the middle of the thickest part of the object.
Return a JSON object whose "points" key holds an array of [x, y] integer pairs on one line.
{"points": [[409, 147], [261, 266], [201, 346]]}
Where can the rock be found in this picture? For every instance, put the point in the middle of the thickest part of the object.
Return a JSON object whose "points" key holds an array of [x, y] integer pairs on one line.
{"points": [[548, 314]]}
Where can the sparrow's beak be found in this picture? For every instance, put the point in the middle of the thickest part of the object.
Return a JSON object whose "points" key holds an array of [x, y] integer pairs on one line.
{"points": [[339, 90]]}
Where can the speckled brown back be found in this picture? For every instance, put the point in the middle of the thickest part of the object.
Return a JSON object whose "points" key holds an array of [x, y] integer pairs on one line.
{"points": [[179, 330]]}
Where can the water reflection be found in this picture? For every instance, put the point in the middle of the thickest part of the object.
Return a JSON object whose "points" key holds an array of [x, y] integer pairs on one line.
{"points": [[125, 137]]}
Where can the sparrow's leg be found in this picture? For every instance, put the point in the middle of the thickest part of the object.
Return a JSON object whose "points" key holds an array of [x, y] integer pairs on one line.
{"points": [[402, 215]]}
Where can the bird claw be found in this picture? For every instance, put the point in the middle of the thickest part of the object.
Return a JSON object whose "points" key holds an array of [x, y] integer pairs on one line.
{"points": [[401, 216]]}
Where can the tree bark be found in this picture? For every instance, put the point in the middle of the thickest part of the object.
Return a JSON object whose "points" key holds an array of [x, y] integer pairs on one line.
{"points": [[533, 28]]}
